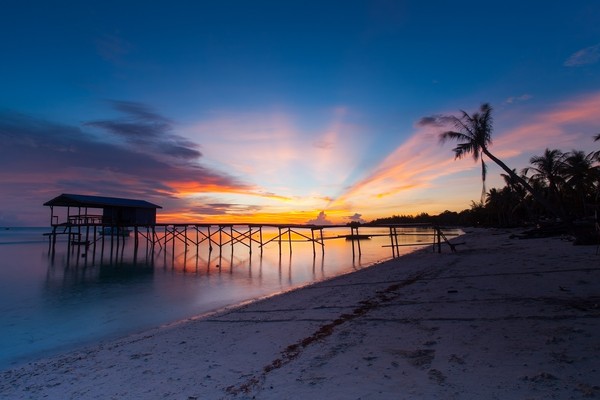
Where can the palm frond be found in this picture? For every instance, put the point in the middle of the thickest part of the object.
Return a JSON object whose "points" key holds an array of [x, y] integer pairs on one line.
{"points": [[452, 135], [465, 125], [464, 149]]}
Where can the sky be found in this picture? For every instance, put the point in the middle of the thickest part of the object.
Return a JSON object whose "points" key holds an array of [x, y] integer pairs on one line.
{"points": [[283, 111]]}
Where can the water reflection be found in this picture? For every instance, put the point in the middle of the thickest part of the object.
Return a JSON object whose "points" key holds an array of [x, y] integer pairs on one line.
{"points": [[52, 300]]}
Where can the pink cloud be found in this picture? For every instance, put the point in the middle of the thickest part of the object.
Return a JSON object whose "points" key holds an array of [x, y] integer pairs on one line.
{"points": [[566, 125]]}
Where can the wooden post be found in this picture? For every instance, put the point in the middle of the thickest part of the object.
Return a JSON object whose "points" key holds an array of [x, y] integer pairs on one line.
{"points": [[279, 240], [352, 240], [392, 243], [250, 242], [87, 233], [322, 242], [197, 244], [220, 244], [166, 230], [174, 232], [54, 238], [118, 240]]}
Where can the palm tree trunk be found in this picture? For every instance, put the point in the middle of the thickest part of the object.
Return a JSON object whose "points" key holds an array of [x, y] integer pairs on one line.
{"points": [[539, 198]]}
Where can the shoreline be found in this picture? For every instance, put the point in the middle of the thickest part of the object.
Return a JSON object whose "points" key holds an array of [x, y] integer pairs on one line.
{"points": [[119, 313], [501, 318]]}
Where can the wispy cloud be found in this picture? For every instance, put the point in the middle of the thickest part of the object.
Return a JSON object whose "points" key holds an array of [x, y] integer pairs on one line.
{"points": [[565, 125], [518, 99], [407, 172], [279, 155], [147, 131], [436, 121], [589, 55]]}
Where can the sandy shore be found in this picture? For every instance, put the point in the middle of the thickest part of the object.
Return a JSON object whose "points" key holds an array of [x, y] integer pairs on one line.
{"points": [[503, 318]]}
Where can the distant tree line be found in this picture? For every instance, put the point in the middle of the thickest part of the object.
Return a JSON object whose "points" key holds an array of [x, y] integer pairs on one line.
{"points": [[446, 218]]}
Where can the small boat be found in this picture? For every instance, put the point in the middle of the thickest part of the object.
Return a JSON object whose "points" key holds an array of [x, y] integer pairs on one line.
{"points": [[115, 231]]}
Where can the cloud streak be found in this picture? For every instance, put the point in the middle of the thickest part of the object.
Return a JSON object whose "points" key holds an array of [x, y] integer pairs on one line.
{"points": [[147, 131], [518, 99], [587, 56]]}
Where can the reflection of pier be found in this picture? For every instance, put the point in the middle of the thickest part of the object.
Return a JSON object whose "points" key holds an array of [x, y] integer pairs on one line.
{"points": [[85, 227]]}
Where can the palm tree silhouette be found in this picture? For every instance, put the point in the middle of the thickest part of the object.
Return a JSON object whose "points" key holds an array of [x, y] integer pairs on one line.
{"points": [[548, 168], [474, 134], [580, 175]]}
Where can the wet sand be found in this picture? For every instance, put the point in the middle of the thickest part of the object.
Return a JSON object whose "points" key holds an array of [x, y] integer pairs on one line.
{"points": [[501, 318]]}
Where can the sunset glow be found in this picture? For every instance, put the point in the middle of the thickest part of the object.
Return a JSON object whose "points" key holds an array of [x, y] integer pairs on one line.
{"points": [[315, 114]]}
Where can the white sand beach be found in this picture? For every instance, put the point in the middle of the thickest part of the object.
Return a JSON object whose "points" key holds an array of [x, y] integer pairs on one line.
{"points": [[502, 318]]}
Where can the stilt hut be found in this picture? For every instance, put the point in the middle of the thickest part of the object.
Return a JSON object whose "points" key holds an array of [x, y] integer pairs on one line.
{"points": [[119, 212]]}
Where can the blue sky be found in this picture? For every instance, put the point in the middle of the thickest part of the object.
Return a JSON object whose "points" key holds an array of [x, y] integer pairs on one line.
{"points": [[283, 110]]}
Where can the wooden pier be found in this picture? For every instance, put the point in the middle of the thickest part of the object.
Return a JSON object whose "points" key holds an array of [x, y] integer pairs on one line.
{"points": [[122, 218], [165, 236]]}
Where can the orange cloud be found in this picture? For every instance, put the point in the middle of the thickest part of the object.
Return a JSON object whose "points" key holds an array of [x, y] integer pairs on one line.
{"points": [[412, 166]]}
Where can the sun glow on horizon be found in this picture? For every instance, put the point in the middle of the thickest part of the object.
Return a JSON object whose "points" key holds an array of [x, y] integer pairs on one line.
{"points": [[417, 176]]}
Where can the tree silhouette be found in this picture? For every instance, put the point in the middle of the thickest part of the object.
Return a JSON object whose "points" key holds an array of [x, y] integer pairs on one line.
{"points": [[580, 177], [548, 168], [474, 135]]}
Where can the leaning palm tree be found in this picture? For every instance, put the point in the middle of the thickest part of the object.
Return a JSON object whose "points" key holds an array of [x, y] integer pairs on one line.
{"points": [[474, 134]]}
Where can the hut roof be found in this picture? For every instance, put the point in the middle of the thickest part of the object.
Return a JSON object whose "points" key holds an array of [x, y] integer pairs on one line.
{"points": [[78, 200]]}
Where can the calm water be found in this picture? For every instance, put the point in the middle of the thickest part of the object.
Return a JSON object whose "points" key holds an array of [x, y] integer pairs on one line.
{"points": [[52, 303]]}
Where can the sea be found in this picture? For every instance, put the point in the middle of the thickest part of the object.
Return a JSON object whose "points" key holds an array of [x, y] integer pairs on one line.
{"points": [[63, 297]]}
